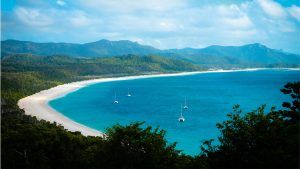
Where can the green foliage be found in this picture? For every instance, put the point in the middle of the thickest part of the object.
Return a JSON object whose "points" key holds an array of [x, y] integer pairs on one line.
{"points": [[257, 139], [251, 55], [25, 74], [63, 67], [30, 143], [15, 86], [94, 49], [293, 112], [136, 147]]}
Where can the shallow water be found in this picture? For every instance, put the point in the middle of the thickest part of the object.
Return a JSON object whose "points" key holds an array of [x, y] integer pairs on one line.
{"points": [[157, 102]]}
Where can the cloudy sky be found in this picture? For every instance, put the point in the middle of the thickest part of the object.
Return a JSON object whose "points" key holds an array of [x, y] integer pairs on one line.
{"points": [[160, 23]]}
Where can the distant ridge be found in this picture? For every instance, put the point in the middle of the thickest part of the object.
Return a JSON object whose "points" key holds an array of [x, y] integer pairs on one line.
{"points": [[251, 55], [99, 48], [246, 56]]}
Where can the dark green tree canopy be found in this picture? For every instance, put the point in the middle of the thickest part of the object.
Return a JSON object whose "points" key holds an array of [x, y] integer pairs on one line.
{"points": [[258, 139]]}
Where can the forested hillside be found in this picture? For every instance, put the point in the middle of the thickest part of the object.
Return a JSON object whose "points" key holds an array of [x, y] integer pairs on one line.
{"points": [[99, 48], [258, 139], [30, 73], [129, 64], [250, 55]]}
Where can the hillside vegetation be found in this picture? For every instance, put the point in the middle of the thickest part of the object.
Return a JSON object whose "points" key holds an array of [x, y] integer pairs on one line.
{"points": [[129, 64], [29, 73], [257, 139], [99, 48], [250, 55]]}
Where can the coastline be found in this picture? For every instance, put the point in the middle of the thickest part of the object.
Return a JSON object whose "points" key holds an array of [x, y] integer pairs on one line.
{"points": [[37, 104]]}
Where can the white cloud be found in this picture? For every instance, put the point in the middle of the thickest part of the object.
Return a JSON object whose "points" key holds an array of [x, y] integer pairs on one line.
{"points": [[61, 3], [162, 23], [167, 26], [295, 12], [239, 23], [233, 17], [81, 19], [133, 5], [272, 8], [33, 17]]}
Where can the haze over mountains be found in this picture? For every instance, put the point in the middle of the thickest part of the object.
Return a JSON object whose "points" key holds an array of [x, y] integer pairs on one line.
{"points": [[251, 55]]}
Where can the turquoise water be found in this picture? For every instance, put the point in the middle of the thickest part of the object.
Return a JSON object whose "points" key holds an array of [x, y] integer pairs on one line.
{"points": [[157, 102]]}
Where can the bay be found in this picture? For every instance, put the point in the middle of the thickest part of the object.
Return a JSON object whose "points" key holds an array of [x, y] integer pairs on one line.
{"points": [[157, 101]]}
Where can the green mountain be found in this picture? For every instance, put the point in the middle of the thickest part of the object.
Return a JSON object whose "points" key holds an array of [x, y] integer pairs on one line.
{"points": [[252, 55], [62, 66], [100, 48], [30, 73], [256, 139], [240, 56]]}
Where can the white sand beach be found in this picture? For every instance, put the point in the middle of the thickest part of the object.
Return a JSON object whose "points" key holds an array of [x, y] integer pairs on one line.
{"points": [[37, 104]]}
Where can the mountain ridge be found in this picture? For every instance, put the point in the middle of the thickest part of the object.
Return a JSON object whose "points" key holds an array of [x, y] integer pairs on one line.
{"points": [[101, 48], [255, 54]]}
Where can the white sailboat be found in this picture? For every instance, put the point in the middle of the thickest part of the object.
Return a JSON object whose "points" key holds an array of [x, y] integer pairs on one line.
{"points": [[116, 101], [185, 104], [181, 118], [128, 94]]}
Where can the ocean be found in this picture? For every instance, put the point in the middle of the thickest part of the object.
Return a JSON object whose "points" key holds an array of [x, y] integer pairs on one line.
{"points": [[157, 101]]}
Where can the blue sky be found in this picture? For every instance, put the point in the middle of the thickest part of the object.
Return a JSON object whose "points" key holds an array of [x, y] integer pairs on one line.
{"points": [[159, 23]]}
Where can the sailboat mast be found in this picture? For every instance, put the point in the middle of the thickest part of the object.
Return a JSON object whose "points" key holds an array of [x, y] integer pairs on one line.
{"points": [[181, 110]]}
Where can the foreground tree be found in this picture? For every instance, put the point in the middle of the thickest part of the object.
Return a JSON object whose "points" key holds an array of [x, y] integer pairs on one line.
{"points": [[136, 147], [292, 114], [258, 139], [248, 140], [30, 143]]}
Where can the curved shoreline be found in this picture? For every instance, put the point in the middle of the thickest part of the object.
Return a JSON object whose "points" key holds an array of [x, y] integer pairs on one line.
{"points": [[37, 104]]}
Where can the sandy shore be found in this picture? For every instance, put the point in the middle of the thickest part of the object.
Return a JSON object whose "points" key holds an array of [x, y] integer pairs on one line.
{"points": [[37, 104]]}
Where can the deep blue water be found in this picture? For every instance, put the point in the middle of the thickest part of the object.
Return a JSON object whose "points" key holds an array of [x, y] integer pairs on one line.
{"points": [[157, 102]]}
